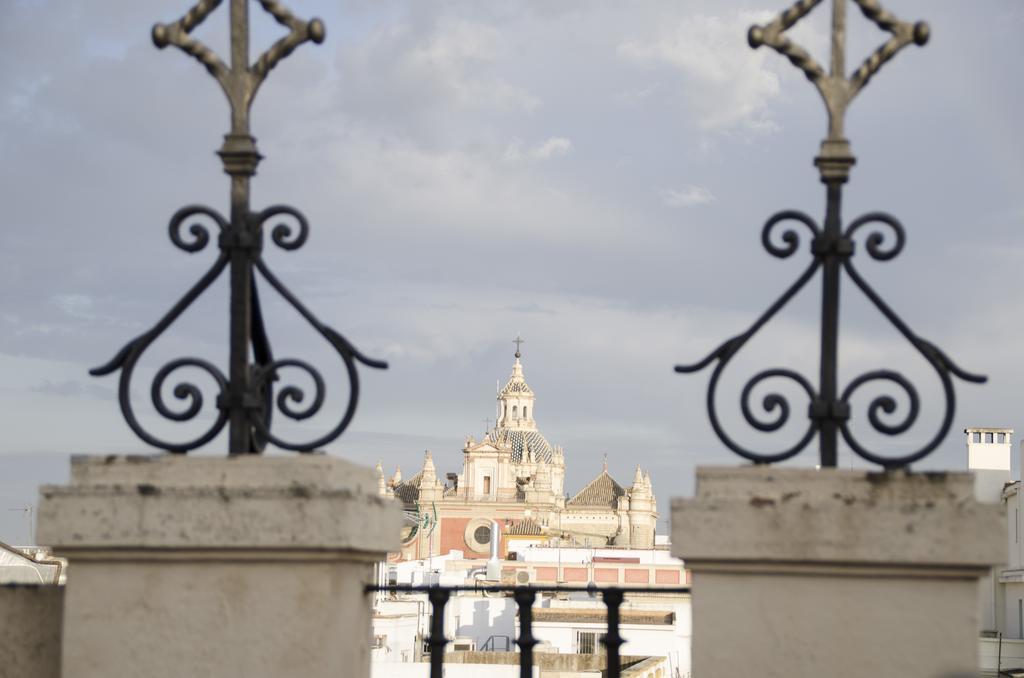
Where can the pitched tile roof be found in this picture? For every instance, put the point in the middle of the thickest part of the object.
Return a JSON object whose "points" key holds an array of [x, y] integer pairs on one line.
{"points": [[408, 491], [524, 527], [602, 491]]}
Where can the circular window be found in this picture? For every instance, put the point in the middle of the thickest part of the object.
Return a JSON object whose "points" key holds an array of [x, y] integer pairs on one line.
{"points": [[478, 536], [482, 534]]}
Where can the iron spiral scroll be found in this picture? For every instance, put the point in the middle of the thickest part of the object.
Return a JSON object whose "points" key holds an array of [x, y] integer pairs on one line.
{"points": [[260, 401], [832, 247], [246, 397], [776, 407]]}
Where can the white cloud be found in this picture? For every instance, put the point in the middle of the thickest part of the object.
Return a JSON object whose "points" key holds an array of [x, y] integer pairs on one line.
{"points": [[426, 75], [727, 84], [454, 54], [75, 305], [551, 148], [637, 96], [687, 196], [554, 146], [398, 182]]}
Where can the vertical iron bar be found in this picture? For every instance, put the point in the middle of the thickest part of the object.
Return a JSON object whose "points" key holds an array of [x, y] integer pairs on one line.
{"points": [[438, 599], [830, 326], [524, 597], [612, 641], [239, 429], [830, 279]]}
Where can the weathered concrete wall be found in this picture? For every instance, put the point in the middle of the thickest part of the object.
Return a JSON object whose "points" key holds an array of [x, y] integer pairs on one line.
{"points": [[30, 630], [245, 567], [838, 573]]}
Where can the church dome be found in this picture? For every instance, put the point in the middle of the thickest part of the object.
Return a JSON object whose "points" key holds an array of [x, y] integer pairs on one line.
{"points": [[519, 439]]}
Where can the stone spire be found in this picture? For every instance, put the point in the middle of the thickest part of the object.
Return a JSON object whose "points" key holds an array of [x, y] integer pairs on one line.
{"points": [[382, 483], [430, 488], [397, 478], [641, 512], [641, 489], [429, 470]]}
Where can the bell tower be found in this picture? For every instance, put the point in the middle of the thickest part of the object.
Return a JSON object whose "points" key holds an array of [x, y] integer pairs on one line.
{"points": [[516, 399]]}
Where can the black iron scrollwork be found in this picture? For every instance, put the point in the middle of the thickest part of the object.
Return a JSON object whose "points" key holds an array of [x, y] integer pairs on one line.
{"points": [[829, 411], [775, 402], [245, 399], [944, 367], [881, 410], [264, 373]]}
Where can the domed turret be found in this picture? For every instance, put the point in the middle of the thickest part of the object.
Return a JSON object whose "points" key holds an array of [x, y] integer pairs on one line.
{"points": [[517, 427], [516, 399]]}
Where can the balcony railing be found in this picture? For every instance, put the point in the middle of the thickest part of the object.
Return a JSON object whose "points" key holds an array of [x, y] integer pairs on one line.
{"points": [[525, 596]]}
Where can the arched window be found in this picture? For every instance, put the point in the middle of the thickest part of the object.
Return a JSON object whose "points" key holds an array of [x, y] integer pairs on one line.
{"points": [[514, 411], [524, 412]]}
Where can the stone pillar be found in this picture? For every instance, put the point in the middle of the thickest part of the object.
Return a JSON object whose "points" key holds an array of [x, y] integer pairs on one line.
{"points": [[835, 573], [249, 566], [30, 626]]}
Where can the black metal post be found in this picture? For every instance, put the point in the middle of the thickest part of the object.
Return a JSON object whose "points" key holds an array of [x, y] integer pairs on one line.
{"points": [[245, 397], [829, 252], [612, 640], [524, 597], [240, 160], [438, 598], [832, 249], [827, 405]]}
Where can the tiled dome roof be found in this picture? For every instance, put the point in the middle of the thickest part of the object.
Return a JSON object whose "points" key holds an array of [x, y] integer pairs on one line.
{"points": [[516, 384], [517, 387], [518, 439]]}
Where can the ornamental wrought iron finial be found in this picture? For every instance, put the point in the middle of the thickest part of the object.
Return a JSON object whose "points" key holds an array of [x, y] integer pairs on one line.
{"points": [[245, 399], [832, 249]]}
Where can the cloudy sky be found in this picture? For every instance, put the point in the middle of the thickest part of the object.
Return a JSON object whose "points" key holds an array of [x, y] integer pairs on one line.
{"points": [[592, 174]]}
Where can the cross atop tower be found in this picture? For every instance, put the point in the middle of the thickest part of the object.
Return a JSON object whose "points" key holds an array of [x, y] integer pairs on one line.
{"points": [[518, 341]]}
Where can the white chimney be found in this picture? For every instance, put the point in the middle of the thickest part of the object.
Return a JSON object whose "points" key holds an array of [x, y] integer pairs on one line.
{"points": [[493, 564], [988, 457]]}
